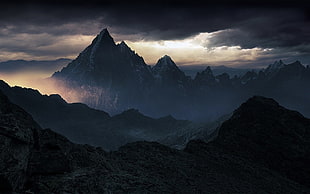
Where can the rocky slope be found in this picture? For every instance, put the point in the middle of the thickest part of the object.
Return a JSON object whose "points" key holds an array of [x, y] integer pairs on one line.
{"points": [[111, 76], [82, 124], [34, 160], [266, 133]]}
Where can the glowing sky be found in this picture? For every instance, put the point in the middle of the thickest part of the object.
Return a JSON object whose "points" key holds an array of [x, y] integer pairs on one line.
{"points": [[196, 50], [232, 33], [221, 33]]}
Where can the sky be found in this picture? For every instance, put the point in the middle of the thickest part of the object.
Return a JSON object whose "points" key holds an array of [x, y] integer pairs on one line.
{"points": [[231, 33]]}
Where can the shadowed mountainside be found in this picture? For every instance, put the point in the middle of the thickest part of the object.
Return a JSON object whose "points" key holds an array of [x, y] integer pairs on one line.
{"points": [[42, 161], [82, 124], [113, 78]]}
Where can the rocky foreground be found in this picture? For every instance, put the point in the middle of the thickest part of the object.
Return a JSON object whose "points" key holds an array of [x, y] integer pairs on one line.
{"points": [[262, 148]]}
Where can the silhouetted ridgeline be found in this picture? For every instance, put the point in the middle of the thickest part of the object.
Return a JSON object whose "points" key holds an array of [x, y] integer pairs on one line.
{"points": [[255, 152], [82, 124], [113, 78]]}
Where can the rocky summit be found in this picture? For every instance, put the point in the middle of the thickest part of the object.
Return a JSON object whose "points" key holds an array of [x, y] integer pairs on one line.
{"points": [[262, 148]]}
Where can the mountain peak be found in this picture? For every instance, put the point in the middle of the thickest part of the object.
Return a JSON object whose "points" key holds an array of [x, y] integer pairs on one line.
{"points": [[104, 30], [256, 105], [105, 36], [166, 61], [205, 77], [123, 43], [123, 46], [261, 101], [166, 69], [165, 64], [263, 131], [297, 63], [104, 33], [208, 71], [275, 66], [166, 57]]}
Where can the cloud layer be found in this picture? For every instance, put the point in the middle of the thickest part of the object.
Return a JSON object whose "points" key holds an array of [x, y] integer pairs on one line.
{"points": [[47, 31]]}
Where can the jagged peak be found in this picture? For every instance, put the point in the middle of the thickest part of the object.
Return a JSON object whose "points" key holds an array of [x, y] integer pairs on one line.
{"points": [[166, 57], [208, 71], [166, 60], [104, 32], [276, 65], [205, 74], [279, 62], [123, 46], [123, 43], [105, 36], [165, 63], [102, 39], [297, 63]]}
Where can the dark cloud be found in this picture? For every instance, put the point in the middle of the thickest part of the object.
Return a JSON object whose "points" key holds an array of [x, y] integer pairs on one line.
{"points": [[264, 24], [285, 28]]}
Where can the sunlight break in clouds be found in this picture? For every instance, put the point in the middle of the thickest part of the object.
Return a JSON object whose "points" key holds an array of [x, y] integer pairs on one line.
{"points": [[196, 50]]}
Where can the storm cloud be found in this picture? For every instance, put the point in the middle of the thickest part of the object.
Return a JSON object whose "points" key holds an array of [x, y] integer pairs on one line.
{"points": [[31, 28]]}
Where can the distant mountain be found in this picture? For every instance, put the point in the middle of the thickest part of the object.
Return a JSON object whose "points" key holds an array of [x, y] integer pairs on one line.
{"points": [[167, 73], [192, 70], [82, 124], [205, 78], [113, 78], [240, 160], [22, 65]]}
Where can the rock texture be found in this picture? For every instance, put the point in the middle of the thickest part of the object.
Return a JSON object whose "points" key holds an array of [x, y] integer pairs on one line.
{"points": [[266, 133], [34, 160]]}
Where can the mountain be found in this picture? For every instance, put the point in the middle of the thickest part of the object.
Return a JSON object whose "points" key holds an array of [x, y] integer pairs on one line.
{"points": [[29, 153], [264, 132], [14, 66], [113, 78], [35, 160], [167, 73], [109, 73], [284, 73], [106, 63], [192, 70], [272, 68], [205, 78], [82, 124]]}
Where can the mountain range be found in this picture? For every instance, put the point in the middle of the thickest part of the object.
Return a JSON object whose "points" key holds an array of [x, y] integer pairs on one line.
{"points": [[254, 152], [82, 124], [112, 77], [192, 70], [23, 65]]}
